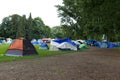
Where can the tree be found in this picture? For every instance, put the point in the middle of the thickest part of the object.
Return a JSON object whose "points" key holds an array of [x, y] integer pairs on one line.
{"points": [[15, 26], [57, 31], [21, 32], [29, 27], [40, 28], [91, 18], [10, 26]]}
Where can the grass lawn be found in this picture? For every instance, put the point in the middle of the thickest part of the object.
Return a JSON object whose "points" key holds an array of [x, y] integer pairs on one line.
{"points": [[41, 53]]}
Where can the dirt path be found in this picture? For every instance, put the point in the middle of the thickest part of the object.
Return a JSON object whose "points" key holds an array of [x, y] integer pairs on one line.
{"points": [[91, 64]]}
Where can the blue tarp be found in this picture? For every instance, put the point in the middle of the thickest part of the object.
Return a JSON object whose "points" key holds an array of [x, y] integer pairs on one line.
{"points": [[58, 40]]}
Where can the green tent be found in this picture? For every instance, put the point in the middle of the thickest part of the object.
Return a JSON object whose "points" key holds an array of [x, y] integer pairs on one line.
{"points": [[83, 46]]}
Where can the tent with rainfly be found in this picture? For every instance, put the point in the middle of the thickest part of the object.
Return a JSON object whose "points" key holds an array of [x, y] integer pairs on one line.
{"points": [[62, 44], [20, 47]]}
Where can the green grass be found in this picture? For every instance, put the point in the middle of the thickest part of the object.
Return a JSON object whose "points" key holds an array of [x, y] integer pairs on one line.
{"points": [[41, 53], [3, 48]]}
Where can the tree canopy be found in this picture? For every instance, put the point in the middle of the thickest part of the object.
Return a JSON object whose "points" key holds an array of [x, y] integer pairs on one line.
{"points": [[15, 26], [91, 18]]}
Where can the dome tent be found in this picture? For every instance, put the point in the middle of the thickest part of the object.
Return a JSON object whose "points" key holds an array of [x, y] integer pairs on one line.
{"points": [[83, 46], [44, 46], [66, 46], [62, 44], [20, 47], [107, 44], [34, 41]]}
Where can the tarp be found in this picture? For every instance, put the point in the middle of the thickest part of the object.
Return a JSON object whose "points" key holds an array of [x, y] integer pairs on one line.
{"points": [[58, 40]]}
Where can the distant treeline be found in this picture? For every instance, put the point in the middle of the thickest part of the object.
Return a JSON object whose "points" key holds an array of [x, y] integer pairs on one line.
{"points": [[15, 26]]}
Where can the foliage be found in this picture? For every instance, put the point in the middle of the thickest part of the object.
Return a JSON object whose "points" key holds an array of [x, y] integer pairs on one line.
{"points": [[57, 31], [91, 18], [15, 26]]}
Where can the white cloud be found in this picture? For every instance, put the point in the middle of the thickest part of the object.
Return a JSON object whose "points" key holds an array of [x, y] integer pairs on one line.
{"points": [[42, 8]]}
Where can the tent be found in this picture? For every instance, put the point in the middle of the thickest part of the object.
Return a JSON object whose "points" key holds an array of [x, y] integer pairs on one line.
{"points": [[62, 44], [20, 47], [58, 40], [34, 41], [66, 46], [97, 43], [118, 44], [44, 46], [39, 41], [1, 41], [53, 46], [9, 40], [83, 46], [107, 44]]}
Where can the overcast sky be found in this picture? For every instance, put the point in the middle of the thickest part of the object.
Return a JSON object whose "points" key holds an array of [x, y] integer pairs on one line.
{"points": [[39, 8]]}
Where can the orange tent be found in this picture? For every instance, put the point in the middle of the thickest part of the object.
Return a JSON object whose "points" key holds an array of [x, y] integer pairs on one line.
{"points": [[20, 47]]}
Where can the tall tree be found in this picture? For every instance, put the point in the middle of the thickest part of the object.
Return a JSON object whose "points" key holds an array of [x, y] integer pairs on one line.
{"points": [[29, 27], [21, 32], [40, 28]]}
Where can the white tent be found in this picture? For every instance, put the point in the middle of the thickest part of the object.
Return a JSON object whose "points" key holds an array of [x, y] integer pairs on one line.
{"points": [[53, 46], [66, 45]]}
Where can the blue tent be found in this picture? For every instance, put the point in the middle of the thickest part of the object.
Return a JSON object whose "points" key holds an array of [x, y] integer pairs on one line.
{"points": [[118, 44], [107, 44], [1, 41], [34, 41], [44, 46], [39, 41], [97, 43], [110, 44], [90, 41]]}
